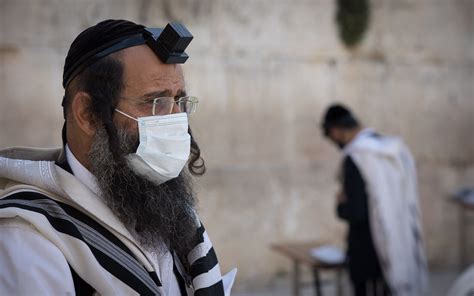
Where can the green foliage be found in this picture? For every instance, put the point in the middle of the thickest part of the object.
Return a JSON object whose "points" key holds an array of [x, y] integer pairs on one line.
{"points": [[352, 19]]}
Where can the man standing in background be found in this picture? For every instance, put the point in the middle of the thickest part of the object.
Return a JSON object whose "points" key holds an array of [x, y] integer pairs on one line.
{"points": [[379, 201]]}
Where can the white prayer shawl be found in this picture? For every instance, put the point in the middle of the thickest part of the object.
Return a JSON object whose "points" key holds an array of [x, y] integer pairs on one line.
{"points": [[33, 170], [389, 172], [464, 284]]}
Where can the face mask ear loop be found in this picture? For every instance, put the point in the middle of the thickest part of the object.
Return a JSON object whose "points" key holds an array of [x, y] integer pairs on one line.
{"points": [[125, 114]]}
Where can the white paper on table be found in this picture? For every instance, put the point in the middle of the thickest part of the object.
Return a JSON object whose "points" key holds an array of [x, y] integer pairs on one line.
{"points": [[328, 254], [465, 195]]}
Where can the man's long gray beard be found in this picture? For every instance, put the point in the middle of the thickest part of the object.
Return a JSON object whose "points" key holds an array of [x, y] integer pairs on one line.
{"points": [[161, 215]]}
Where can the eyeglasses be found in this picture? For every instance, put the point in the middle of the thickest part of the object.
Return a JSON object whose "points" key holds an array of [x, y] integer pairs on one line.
{"points": [[165, 105]]}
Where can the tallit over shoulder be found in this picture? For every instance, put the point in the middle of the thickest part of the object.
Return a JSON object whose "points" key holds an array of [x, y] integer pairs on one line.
{"points": [[95, 243], [389, 172]]}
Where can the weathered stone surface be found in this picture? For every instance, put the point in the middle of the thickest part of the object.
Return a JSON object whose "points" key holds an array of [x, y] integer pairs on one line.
{"points": [[265, 71]]}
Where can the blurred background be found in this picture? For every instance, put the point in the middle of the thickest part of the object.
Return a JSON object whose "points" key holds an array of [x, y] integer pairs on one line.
{"points": [[265, 71]]}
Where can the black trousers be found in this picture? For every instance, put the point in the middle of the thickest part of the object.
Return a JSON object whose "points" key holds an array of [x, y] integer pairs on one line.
{"points": [[371, 287]]}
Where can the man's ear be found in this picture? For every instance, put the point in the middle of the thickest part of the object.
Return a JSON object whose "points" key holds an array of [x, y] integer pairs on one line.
{"points": [[81, 113]]}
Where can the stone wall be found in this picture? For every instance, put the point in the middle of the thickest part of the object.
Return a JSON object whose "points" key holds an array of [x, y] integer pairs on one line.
{"points": [[265, 71]]}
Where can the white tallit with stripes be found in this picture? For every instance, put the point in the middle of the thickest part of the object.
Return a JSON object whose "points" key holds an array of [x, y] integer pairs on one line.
{"points": [[389, 172], [34, 170]]}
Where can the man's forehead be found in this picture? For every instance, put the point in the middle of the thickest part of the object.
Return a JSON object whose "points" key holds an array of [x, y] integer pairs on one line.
{"points": [[144, 71]]}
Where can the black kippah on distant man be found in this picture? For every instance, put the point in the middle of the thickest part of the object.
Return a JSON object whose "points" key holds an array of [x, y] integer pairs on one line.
{"points": [[94, 40], [337, 115]]}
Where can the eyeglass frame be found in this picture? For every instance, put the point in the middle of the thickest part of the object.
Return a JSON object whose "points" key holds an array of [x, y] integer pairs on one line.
{"points": [[154, 101]]}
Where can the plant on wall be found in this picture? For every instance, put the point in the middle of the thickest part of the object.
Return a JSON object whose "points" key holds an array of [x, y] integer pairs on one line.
{"points": [[353, 19]]}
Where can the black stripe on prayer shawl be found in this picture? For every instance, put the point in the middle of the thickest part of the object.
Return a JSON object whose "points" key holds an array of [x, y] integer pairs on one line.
{"points": [[216, 289], [111, 253], [180, 279], [200, 234], [81, 287], [204, 264]]}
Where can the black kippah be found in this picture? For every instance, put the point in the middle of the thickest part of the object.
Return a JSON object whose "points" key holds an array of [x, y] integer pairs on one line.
{"points": [[336, 112], [94, 40], [338, 115]]}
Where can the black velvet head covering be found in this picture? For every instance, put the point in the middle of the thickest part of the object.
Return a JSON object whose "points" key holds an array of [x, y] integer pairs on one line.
{"points": [[338, 116], [94, 40]]}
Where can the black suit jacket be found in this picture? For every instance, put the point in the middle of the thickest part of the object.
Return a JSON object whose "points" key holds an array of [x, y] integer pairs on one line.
{"points": [[363, 261]]}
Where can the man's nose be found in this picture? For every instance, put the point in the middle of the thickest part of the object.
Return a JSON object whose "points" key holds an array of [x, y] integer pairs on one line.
{"points": [[176, 109]]}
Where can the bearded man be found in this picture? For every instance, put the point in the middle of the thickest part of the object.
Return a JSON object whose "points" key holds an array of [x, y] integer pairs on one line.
{"points": [[113, 212]]}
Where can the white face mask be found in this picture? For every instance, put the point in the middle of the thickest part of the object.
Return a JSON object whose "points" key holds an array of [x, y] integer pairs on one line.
{"points": [[164, 146]]}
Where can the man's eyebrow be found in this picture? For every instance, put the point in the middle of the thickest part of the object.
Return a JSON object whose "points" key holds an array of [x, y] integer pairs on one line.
{"points": [[157, 94], [164, 93], [181, 93]]}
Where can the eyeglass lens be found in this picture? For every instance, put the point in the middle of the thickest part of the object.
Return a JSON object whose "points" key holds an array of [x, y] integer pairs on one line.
{"points": [[164, 106]]}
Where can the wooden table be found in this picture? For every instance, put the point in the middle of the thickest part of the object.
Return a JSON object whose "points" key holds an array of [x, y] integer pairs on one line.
{"points": [[300, 253], [464, 207]]}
